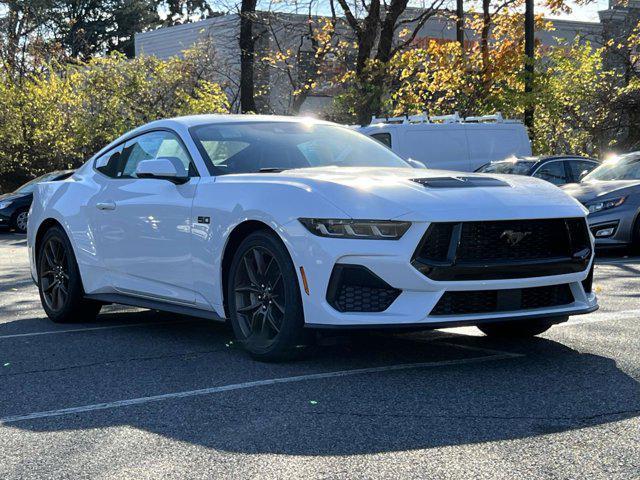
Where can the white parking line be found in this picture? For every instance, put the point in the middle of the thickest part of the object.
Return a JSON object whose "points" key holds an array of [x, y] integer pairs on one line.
{"points": [[247, 385], [90, 329]]}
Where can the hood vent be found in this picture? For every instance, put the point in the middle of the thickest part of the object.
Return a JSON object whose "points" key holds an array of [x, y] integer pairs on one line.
{"points": [[460, 182]]}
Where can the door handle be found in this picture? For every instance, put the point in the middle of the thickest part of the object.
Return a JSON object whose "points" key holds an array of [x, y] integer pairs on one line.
{"points": [[106, 205]]}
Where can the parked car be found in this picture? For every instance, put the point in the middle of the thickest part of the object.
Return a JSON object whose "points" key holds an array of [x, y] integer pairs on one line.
{"points": [[557, 169], [612, 194], [14, 206], [282, 224], [451, 142]]}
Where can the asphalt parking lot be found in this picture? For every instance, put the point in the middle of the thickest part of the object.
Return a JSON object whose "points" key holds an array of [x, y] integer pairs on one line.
{"points": [[139, 394]]}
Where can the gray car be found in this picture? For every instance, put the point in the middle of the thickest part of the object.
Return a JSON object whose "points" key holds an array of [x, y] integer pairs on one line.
{"points": [[612, 194]]}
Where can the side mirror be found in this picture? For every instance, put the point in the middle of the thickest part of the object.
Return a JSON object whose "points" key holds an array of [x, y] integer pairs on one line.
{"points": [[582, 175], [164, 168], [415, 163]]}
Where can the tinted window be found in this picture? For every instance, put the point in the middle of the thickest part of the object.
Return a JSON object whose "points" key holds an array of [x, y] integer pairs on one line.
{"points": [[552, 172], [154, 145], [384, 138], [253, 146], [109, 163], [512, 167], [624, 167], [577, 167]]}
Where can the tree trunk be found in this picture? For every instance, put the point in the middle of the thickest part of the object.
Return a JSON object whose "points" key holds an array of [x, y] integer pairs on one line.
{"points": [[484, 43], [460, 23], [529, 53], [247, 55]]}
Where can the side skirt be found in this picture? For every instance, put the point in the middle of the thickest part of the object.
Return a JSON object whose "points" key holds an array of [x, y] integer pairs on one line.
{"points": [[155, 305]]}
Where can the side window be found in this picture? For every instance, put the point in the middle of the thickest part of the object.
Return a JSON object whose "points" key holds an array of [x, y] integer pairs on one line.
{"points": [[552, 172], [577, 167], [154, 145], [109, 163], [384, 138]]}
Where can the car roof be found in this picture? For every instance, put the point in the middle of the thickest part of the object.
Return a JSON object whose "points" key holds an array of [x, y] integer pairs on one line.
{"points": [[207, 119], [546, 158], [195, 120]]}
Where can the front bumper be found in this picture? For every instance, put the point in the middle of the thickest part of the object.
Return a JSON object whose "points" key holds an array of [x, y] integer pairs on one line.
{"points": [[391, 262], [621, 219]]}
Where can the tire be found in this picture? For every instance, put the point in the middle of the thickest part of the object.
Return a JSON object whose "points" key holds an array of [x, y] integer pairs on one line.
{"points": [[19, 222], [264, 302], [519, 328], [59, 282], [634, 248]]}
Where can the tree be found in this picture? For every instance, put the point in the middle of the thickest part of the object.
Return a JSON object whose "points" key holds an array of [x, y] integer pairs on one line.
{"points": [[377, 29], [58, 118], [247, 56]]}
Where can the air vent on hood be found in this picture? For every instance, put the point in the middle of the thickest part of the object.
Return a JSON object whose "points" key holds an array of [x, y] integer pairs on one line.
{"points": [[460, 182]]}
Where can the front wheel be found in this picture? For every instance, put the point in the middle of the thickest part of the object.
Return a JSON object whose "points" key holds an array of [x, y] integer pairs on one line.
{"points": [[264, 301], [59, 282], [519, 328], [20, 221]]}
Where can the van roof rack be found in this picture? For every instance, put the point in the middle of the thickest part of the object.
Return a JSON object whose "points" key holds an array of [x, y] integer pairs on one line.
{"points": [[453, 118]]}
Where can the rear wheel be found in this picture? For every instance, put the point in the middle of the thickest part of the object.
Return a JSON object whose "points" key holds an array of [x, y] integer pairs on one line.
{"points": [[264, 301], [519, 328], [20, 221], [59, 281]]}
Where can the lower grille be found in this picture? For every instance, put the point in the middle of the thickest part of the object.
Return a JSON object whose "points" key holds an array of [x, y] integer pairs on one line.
{"points": [[354, 288], [493, 301]]}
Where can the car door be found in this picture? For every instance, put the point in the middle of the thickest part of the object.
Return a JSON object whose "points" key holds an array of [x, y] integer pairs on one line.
{"points": [[553, 171], [142, 226]]}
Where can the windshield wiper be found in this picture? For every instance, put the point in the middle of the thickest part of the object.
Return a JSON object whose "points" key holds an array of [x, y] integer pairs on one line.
{"points": [[272, 170]]}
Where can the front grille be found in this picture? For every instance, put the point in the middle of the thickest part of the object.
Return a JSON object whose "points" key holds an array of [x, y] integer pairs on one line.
{"points": [[494, 301], [503, 249], [354, 288], [488, 240]]}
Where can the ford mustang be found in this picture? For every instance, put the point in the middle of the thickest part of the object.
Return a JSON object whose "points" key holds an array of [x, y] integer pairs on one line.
{"points": [[283, 225]]}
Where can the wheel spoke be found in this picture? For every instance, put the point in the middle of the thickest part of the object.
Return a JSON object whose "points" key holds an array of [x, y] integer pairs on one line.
{"points": [[248, 288], [259, 258], [278, 305], [51, 284], [251, 273], [272, 320], [47, 256], [249, 308]]}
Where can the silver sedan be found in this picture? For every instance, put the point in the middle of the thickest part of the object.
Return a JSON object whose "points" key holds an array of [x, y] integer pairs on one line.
{"points": [[612, 194]]}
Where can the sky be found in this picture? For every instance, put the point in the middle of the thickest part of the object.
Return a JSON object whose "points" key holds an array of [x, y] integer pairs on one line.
{"points": [[587, 13]]}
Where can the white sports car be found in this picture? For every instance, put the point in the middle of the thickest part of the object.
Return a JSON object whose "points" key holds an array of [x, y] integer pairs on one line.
{"points": [[279, 223]]}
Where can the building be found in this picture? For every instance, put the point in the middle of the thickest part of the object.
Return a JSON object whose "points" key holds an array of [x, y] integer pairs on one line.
{"points": [[282, 31]]}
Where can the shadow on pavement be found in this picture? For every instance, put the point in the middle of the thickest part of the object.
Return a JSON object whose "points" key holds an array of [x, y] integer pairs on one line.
{"points": [[551, 388]]}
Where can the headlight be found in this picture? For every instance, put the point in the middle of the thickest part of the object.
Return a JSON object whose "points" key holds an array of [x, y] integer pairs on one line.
{"points": [[605, 204], [363, 229], [5, 204]]}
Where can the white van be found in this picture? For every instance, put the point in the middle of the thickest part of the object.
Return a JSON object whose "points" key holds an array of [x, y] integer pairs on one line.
{"points": [[450, 142]]}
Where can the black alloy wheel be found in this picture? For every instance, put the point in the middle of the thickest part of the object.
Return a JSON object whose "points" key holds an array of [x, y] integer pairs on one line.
{"points": [[54, 274], [264, 298], [59, 282]]}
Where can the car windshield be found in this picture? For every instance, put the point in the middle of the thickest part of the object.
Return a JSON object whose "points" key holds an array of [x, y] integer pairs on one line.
{"points": [[624, 167], [249, 147], [30, 186], [512, 166]]}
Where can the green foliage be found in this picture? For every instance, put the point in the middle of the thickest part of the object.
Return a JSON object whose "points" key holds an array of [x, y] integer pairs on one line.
{"points": [[574, 97], [59, 118]]}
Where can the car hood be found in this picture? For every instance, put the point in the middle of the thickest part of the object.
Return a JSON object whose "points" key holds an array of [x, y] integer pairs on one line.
{"points": [[13, 196], [589, 191], [430, 195]]}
